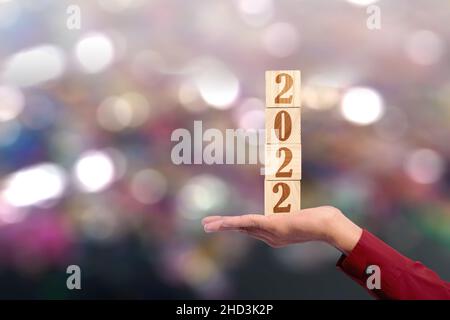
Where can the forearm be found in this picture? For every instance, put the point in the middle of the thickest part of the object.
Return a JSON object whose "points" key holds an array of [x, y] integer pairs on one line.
{"points": [[400, 277]]}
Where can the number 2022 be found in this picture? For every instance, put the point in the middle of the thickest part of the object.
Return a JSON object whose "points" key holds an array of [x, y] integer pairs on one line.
{"points": [[283, 128]]}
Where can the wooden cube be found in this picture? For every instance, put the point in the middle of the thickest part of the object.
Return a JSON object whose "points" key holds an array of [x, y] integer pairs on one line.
{"points": [[281, 196], [283, 89], [283, 162], [283, 125]]}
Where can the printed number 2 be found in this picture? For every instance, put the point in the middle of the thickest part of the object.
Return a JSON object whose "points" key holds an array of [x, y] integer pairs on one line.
{"points": [[288, 82], [285, 191], [287, 160]]}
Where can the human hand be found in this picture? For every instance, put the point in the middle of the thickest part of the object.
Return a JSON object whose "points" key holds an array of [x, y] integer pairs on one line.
{"points": [[326, 224]]}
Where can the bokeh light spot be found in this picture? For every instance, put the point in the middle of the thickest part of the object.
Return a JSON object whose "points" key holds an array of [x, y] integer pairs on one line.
{"points": [[425, 166], [280, 39], [128, 110], [256, 12], [94, 171], [201, 195], [362, 2], [424, 47], [34, 185], [117, 6], [362, 106], [148, 186], [11, 103], [217, 85], [95, 52], [33, 66]]}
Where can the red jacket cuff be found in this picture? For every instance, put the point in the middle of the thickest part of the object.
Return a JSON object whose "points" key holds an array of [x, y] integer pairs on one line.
{"points": [[366, 252], [401, 278]]}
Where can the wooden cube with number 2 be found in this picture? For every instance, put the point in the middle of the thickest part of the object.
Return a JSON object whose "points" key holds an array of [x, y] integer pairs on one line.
{"points": [[283, 89], [283, 162], [281, 196]]}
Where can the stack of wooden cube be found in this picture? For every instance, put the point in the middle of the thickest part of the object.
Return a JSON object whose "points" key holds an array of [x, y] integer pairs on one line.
{"points": [[283, 142]]}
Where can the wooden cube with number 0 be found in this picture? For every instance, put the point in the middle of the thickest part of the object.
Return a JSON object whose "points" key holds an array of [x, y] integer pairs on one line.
{"points": [[281, 196], [283, 162], [283, 125], [283, 89]]}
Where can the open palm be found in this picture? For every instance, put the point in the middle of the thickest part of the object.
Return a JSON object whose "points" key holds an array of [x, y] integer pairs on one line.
{"points": [[325, 223]]}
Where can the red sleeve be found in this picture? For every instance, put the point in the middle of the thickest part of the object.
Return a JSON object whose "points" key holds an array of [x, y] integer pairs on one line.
{"points": [[401, 278]]}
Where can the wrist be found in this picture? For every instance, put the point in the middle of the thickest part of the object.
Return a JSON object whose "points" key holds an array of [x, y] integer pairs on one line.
{"points": [[342, 233]]}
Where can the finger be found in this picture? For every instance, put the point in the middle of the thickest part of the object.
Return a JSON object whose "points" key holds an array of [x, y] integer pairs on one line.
{"points": [[214, 226], [210, 219], [234, 223], [224, 223], [217, 226], [245, 221]]}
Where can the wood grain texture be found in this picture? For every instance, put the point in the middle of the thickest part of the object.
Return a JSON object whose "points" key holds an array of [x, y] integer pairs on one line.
{"points": [[276, 199], [283, 125], [283, 162], [283, 137], [283, 89]]}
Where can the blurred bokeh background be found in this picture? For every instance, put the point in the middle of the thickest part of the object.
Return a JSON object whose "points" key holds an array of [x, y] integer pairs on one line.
{"points": [[86, 117]]}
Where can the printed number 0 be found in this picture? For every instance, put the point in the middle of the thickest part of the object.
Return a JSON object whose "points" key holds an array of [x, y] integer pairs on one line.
{"points": [[283, 125], [287, 85], [284, 195]]}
